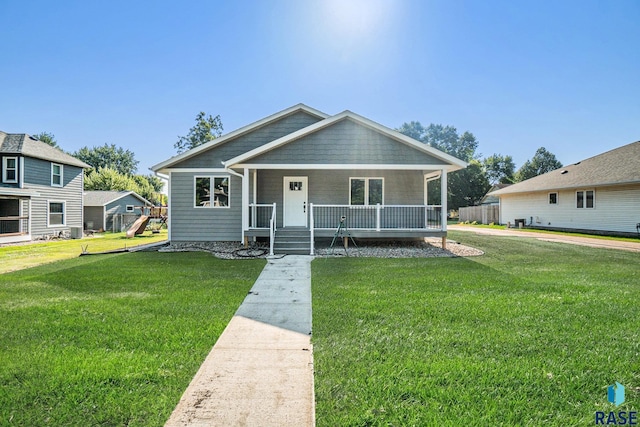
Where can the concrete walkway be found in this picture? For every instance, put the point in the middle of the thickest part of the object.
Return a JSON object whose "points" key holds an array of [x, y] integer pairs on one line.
{"points": [[260, 371], [551, 237]]}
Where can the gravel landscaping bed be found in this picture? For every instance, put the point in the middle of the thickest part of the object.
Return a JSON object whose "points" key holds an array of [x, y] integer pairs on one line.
{"points": [[380, 249]]}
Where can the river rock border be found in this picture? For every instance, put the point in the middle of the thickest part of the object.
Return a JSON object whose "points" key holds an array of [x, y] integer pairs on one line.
{"points": [[431, 248]]}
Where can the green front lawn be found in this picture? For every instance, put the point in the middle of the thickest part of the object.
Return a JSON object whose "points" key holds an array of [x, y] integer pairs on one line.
{"points": [[111, 340], [531, 333], [17, 257]]}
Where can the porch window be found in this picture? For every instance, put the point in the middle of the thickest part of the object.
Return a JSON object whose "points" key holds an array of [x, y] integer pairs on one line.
{"points": [[10, 170], [553, 198], [585, 199], [366, 191], [211, 191], [56, 175], [56, 213]]}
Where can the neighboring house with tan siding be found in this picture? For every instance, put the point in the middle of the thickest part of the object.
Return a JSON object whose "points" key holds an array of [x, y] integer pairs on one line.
{"points": [[40, 189], [600, 194], [293, 175]]}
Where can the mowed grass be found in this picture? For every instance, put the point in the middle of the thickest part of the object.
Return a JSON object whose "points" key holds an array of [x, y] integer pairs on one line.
{"points": [[529, 334], [17, 257], [111, 340]]}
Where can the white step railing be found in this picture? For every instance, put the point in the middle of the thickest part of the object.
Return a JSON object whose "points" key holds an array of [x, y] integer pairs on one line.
{"points": [[272, 229]]}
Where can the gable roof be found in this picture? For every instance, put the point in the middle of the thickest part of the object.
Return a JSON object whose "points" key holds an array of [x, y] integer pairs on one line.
{"points": [[489, 198], [454, 162], [103, 198], [616, 167], [238, 132], [26, 145]]}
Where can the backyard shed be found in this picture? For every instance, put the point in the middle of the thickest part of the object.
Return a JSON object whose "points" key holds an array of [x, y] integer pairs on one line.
{"points": [[112, 210]]}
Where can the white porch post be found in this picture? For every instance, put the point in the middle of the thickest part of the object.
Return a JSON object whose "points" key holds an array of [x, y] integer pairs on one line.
{"points": [[255, 199], [245, 204], [443, 198]]}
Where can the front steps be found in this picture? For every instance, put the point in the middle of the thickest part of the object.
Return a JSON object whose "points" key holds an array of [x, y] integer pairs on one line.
{"points": [[292, 241]]}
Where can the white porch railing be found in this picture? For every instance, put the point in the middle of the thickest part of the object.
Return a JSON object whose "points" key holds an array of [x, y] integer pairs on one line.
{"points": [[14, 225], [378, 217], [260, 215], [264, 216]]}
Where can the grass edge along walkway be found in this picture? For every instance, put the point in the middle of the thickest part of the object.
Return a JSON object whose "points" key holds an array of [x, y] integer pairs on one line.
{"points": [[531, 333], [112, 339], [31, 254]]}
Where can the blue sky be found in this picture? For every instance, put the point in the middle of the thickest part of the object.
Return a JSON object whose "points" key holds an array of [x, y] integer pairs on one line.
{"points": [[517, 74]]}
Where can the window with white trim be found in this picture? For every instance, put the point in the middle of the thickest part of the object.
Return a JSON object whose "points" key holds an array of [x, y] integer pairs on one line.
{"points": [[553, 198], [366, 191], [10, 170], [585, 199], [56, 175], [130, 208], [56, 214], [211, 191]]}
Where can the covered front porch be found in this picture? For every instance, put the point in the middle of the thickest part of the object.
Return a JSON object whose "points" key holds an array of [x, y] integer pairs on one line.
{"points": [[381, 204], [14, 219]]}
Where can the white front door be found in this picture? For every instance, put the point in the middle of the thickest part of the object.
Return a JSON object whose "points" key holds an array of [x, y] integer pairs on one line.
{"points": [[295, 201]]}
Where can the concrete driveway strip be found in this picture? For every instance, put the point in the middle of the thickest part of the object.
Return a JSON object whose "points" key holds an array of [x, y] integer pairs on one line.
{"points": [[559, 238], [260, 371]]}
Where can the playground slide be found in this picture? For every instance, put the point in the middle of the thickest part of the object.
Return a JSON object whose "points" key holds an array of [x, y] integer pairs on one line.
{"points": [[138, 227]]}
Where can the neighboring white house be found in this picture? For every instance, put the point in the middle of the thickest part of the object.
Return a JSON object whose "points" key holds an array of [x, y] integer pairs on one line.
{"points": [[600, 194]]}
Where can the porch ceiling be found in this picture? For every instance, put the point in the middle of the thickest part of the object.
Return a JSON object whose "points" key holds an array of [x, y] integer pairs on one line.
{"points": [[19, 192]]}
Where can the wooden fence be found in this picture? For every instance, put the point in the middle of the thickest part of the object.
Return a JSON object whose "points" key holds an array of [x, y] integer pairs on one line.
{"points": [[484, 214]]}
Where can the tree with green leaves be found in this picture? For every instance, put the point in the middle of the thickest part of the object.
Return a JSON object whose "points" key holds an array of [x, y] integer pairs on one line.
{"points": [[47, 138], [206, 129], [542, 162], [108, 156], [499, 169], [109, 179], [466, 187]]}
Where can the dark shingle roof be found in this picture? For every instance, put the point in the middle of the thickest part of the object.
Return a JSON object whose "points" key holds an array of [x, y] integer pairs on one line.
{"points": [[101, 198], [616, 167], [28, 146]]}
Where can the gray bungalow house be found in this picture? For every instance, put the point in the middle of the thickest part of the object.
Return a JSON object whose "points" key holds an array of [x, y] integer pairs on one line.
{"points": [[104, 209], [40, 189], [599, 195], [294, 175]]}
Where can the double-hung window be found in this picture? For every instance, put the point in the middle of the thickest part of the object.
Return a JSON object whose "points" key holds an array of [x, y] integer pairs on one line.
{"points": [[585, 199], [10, 170], [366, 191], [211, 192], [56, 175], [56, 215]]}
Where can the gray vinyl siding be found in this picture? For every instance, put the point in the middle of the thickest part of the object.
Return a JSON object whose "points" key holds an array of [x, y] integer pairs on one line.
{"points": [[93, 217], [214, 157], [189, 223], [616, 209], [119, 206], [37, 176], [331, 187], [346, 142]]}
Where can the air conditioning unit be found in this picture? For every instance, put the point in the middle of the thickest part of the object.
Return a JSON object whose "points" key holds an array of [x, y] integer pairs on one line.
{"points": [[76, 232]]}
